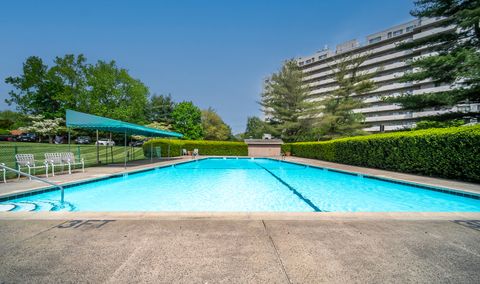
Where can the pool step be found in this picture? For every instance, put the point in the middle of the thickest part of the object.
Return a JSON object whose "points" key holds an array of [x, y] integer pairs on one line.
{"points": [[7, 207], [23, 206], [65, 207], [41, 205], [45, 205]]}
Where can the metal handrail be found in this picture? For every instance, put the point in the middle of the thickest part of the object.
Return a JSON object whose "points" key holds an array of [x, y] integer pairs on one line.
{"points": [[37, 178]]}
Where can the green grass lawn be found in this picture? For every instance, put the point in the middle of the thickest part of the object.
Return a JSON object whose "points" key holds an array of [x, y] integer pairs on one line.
{"points": [[107, 155]]}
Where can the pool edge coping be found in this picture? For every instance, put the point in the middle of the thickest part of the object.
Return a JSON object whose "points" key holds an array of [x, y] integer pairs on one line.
{"points": [[247, 216]]}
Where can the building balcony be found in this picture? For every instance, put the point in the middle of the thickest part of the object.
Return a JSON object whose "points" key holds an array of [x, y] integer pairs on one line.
{"points": [[378, 108], [432, 32], [408, 115], [382, 48], [370, 70], [376, 128], [432, 90], [375, 79]]}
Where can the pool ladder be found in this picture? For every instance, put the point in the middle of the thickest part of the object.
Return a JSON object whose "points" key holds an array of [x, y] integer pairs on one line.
{"points": [[2, 166]]}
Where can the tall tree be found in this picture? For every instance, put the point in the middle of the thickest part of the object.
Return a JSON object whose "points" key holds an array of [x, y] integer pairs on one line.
{"points": [[114, 93], [102, 89], [70, 71], [214, 128], [187, 119], [456, 57], [338, 117], [160, 108], [285, 101], [36, 89], [12, 120], [256, 128]]}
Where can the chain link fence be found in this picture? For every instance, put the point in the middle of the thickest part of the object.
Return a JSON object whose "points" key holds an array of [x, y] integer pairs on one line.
{"points": [[105, 155]]}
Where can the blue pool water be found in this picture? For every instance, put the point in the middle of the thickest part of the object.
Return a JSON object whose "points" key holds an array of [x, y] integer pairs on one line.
{"points": [[244, 185]]}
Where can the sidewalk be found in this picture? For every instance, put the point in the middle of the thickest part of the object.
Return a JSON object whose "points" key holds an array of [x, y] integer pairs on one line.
{"points": [[239, 251]]}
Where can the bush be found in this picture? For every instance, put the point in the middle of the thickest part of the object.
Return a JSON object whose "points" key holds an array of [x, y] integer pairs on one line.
{"points": [[4, 132], [426, 124], [169, 148], [212, 148], [446, 152], [286, 148]]}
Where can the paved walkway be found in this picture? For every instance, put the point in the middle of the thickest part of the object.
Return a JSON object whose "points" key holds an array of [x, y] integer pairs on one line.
{"points": [[239, 251]]}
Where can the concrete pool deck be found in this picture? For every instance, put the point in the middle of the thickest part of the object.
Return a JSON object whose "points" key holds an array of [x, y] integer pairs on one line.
{"points": [[239, 251]]}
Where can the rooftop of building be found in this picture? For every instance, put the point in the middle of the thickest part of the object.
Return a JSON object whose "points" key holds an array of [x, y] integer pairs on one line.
{"points": [[392, 32]]}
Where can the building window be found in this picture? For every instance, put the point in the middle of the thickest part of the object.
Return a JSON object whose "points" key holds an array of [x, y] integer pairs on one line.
{"points": [[376, 39], [397, 33], [389, 35], [300, 63], [409, 29]]}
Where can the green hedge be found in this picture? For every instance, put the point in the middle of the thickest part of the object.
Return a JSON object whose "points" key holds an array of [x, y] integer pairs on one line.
{"points": [[447, 152], [286, 147], [173, 148]]}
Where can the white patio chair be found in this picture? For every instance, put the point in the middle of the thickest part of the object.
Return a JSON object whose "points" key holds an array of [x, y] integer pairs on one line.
{"points": [[195, 152], [184, 152], [54, 159], [28, 160], [4, 173], [69, 159]]}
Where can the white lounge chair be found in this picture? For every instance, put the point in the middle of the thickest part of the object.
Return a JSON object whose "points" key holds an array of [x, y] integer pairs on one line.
{"points": [[4, 173], [69, 159], [28, 160], [54, 159], [195, 152], [184, 152]]}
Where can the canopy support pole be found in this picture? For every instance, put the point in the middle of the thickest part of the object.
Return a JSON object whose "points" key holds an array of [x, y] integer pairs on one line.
{"points": [[68, 139], [125, 148], [111, 149], [151, 152], [98, 150]]}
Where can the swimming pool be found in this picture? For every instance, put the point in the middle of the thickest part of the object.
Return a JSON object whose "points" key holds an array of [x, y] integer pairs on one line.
{"points": [[244, 184]]}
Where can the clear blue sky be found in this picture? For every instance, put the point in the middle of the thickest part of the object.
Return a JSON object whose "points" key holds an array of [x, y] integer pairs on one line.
{"points": [[214, 53]]}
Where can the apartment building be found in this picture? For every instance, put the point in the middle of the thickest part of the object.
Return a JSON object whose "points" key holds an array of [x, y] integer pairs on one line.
{"points": [[389, 63]]}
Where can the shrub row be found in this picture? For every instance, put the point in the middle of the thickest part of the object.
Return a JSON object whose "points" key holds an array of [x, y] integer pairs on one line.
{"points": [[447, 152], [173, 148]]}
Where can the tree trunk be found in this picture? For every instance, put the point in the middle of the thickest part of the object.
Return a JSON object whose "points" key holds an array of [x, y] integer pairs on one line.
{"points": [[477, 31]]}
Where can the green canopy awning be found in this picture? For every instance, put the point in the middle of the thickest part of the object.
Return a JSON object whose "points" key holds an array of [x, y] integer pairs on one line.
{"points": [[75, 119]]}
